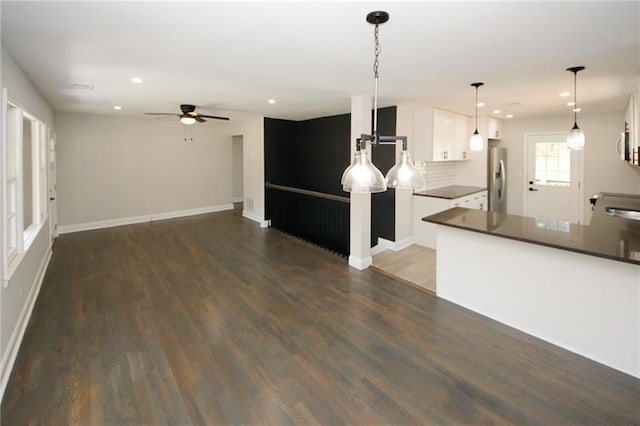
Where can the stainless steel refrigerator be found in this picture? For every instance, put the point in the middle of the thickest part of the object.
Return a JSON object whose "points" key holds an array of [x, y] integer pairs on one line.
{"points": [[497, 179]]}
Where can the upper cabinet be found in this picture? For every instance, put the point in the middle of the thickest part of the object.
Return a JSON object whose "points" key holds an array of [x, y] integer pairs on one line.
{"points": [[494, 128], [632, 120], [441, 135]]}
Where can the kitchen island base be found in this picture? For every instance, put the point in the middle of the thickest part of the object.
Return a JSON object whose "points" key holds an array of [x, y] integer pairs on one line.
{"points": [[586, 304]]}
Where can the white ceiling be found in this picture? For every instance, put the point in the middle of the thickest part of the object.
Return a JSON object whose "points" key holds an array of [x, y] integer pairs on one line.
{"points": [[312, 57]]}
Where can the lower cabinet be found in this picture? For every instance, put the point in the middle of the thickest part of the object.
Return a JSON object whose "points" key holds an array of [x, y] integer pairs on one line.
{"points": [[424, 233]]}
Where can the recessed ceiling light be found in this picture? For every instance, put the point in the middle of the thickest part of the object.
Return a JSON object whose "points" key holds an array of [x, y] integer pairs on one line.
{"points": [[271, 101], [496, 111], [117, 107], [564, 94], [571, 103], [509, 115], [136, 80], [577, 109], [480, 104], [82, 86]]}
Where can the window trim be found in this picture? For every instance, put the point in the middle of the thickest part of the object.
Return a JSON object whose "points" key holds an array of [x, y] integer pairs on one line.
{"points": [[11, 257]]}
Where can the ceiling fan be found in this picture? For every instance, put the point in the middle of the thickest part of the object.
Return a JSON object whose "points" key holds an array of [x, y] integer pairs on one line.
{"points": [[189, 115]]}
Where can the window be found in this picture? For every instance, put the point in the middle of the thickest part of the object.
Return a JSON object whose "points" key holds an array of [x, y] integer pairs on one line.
{"points": [[12, 167], [553, 163], [24, 145]]}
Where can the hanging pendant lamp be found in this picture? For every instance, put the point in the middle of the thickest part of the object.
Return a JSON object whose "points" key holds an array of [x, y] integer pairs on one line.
{"points": [[575, 139], [476, 143], [362, 175]]}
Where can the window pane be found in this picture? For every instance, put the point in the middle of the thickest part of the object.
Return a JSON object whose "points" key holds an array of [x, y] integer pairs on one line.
{"points": [[27, 173], [12, 199], [553, 163]]}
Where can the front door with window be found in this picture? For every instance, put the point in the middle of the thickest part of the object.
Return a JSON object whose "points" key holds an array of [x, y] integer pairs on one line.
{"points": [[553, 189]]}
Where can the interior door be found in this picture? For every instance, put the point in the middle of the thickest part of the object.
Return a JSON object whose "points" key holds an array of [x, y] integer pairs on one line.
{"points": [[553, 188], [51, 178]]}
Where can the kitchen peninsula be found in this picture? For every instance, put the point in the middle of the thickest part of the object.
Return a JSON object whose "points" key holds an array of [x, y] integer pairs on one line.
{"points": [[572, 285], [435, 200]]}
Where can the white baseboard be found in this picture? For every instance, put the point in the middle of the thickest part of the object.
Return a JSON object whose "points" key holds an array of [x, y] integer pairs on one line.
{"points": [[65, 229], [256, 218], [384, 245], [11, 351], [359, 263], [402, 244], [238, 200]]}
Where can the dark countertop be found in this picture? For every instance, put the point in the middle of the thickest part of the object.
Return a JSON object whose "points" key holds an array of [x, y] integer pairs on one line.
{"points": [[609, 238], [450, 192]]}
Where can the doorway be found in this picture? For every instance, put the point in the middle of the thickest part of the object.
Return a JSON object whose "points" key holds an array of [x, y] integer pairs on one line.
{"points": [[553, 187], [51, 179], [238, 172]]}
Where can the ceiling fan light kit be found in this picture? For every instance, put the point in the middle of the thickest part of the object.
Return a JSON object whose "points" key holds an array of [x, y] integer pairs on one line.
{"points": [[189, 115], [362, 175]]}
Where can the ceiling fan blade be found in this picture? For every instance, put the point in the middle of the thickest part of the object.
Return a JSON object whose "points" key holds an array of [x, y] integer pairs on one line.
{"points": [[214, 117], [161, 113], [199, 119]]}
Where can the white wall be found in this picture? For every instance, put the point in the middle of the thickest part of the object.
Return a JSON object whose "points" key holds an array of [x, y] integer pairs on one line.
{"points": [[603, 171], [473, 172], [113, 168], [238, 169], [18, 294], [252, 131]]}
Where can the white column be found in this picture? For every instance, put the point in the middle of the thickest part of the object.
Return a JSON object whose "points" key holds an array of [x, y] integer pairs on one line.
{"points": [[360, 207], [404, 197]]}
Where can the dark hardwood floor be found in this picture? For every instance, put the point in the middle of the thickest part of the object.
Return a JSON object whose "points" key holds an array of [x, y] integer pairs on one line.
{"points": [[213, 320]]}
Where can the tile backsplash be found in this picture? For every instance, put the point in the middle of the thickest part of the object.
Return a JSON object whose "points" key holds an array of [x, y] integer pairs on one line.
{"points": [[437, 174]]}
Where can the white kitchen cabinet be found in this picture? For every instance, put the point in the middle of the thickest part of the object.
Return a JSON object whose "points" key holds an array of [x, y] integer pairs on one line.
{"points": [[632, 118], [440, 135], [424, 233], [476, 201], [494, 128]]}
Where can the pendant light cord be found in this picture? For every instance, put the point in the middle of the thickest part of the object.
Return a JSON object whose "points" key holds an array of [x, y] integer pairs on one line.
{"points": [[376, 65], [575, 99], [477, 108]]}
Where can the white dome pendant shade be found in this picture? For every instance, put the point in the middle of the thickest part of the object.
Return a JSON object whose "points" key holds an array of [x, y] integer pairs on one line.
{"points": [[575, 139], [476, 143], [362, 175], [404, 174]]}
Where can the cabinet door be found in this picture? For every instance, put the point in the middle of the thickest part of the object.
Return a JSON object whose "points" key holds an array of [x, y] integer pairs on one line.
{"points": [[442, 128], [494, 128], [460, 138], [440, 135]]}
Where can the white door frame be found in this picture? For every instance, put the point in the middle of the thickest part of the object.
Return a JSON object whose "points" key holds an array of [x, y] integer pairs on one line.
{"points": [[525, 182], [52, 185]]}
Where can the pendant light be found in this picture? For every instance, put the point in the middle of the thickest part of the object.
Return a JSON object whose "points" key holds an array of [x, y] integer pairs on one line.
{"points": [[575, 140], [476, 143], [362, 175]]}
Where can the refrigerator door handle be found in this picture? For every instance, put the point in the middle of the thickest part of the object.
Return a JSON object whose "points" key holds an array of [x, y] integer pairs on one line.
{"points": [[503, 180]]}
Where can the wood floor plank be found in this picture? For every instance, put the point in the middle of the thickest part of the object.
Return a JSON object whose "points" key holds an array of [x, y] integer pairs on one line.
{"points": [[214, 320]]}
